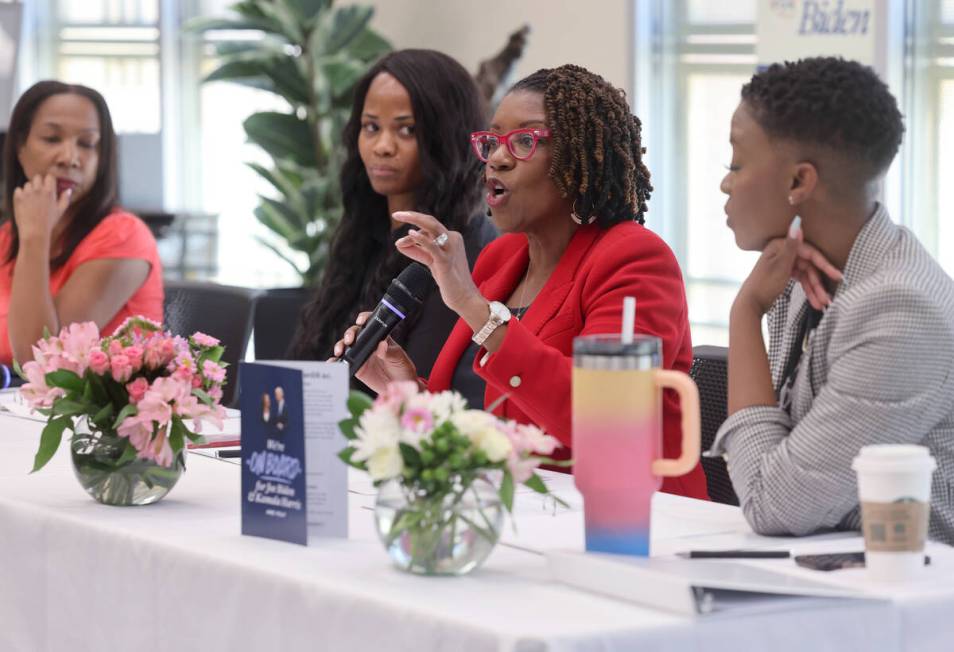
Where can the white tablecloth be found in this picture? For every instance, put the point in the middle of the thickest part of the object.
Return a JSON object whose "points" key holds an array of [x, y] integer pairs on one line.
{"points": [[76, 575]]}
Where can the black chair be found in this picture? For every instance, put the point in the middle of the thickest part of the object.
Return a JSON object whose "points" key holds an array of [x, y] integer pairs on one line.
{"points": [[276, 318], [222, 311], [709, 370]]}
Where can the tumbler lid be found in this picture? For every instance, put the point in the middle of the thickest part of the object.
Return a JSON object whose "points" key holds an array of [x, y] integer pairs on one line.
{"points": [[610, 352]]}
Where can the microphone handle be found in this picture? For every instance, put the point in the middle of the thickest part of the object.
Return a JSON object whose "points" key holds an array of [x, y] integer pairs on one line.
{"points": [[383, 320]]}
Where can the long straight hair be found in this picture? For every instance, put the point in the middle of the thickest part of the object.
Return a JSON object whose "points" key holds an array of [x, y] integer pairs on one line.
{"points": [[88, 211], [447, 108]]}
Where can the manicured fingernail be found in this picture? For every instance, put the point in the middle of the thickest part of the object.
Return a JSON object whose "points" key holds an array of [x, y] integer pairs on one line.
{"points": [[795, 227]]}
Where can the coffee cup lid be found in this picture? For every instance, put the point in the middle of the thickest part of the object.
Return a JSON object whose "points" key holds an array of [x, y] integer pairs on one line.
{"points": [[893, 458]]}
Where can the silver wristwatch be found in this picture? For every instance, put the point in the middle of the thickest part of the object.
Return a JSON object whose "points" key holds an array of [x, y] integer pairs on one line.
{"points": [[499, 315]]}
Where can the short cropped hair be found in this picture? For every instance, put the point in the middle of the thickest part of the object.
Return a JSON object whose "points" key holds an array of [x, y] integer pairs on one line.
{"points": [[831, 102]]}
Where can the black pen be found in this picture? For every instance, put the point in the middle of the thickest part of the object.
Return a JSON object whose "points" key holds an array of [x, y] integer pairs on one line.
{"points": [[735, 554], [232, 452]]}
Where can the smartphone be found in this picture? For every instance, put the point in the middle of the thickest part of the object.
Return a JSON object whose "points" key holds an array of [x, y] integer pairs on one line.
{"points": [[837, 561]]}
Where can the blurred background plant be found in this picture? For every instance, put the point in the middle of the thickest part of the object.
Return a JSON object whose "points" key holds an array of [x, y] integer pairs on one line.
{"points": [[310, 54]]}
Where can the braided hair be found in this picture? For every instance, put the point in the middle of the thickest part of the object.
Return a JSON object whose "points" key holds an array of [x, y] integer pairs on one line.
{"points": [[597, 153]]}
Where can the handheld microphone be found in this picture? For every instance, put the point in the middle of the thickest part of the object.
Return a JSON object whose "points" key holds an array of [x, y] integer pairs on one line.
{"points": [[404, 296]]}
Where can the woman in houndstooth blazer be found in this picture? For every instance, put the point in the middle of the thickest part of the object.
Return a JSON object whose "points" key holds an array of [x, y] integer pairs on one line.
{"points": [[861, 318]]}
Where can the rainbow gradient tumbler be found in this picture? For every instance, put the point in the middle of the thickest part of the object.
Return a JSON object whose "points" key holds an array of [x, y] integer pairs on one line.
{"points": [[617, 436]]}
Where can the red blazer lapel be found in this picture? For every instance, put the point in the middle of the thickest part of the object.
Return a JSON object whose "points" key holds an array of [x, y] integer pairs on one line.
{"points": [[511, 264], [554, 292]]}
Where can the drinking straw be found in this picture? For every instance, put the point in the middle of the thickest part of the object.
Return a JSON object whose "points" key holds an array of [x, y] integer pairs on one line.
{"points": [[629, 319]]}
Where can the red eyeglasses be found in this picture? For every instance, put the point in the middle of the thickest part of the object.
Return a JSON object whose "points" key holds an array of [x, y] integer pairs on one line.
{"points": [[521, 143]]}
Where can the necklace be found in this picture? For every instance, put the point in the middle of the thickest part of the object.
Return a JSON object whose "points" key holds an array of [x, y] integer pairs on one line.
{"points": [[522, 307]]}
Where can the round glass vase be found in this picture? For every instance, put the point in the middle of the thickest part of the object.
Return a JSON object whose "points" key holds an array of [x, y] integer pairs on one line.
{"points": [[448, 534], [96, 465]]}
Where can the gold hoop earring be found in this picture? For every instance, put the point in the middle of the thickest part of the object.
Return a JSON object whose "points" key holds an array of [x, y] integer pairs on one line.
{"points": [[582, 221]]}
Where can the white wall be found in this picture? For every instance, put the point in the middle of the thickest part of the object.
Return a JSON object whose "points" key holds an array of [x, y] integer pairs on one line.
{"points": [[594, 34]]}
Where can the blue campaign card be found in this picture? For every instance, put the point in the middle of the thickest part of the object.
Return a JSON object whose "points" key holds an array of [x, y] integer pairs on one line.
{"points": [[273, 453]]}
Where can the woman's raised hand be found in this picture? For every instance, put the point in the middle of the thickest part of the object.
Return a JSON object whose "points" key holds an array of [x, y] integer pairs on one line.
{"points": [[388, 363], [788, 258], [442, 251], [36, 208]]}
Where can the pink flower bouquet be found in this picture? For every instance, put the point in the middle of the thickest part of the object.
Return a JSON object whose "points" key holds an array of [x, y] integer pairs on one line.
{"points": [[433, 461], [126, 398]]}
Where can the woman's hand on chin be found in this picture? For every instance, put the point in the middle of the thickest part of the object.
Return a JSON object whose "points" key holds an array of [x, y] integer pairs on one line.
{"points": [[37, 209], [441, 251], [389, 362], [784, 259]]}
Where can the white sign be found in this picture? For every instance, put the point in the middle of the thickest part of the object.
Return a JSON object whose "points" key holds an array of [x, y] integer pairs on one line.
{"points": [[787, 30]]}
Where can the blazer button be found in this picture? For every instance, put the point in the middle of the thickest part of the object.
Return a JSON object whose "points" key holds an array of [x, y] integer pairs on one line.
{"points": [[515, 381]]}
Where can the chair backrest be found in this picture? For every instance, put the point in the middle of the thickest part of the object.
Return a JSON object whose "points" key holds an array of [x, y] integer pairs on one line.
{"points": [[709, 370], [276, 318], [222, 311]]}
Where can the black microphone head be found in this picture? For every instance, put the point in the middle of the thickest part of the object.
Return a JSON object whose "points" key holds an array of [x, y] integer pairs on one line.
{"points": [[416, 280]]}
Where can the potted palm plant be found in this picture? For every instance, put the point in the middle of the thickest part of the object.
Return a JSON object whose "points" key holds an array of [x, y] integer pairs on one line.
{"points": [[310, 54]]}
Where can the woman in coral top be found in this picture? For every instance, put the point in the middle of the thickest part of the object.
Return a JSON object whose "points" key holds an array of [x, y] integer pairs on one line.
{"points": [[67, 254]]}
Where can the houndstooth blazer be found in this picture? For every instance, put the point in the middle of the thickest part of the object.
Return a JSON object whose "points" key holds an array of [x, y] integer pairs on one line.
{"points": [[879, 368]]}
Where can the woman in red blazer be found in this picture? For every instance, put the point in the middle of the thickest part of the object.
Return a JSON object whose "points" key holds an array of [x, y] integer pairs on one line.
{"points": [[566, 184]]}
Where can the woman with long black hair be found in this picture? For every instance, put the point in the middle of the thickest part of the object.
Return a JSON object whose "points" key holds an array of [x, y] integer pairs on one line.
{"points": [[407, 149]]}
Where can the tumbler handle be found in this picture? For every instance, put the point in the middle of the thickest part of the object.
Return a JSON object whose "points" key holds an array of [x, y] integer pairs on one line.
{"points": [[691, 438]]}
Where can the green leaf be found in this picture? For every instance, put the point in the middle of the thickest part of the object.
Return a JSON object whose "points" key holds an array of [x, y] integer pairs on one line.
{"points": [[341, 75], [410, 455], [284, 18], [276, 221], [277, 74], [177, 432], [206, 24], [202, 396], [128, 410], [307, 9], [295, 220], [68, 408], [536, 483], [129, 454], [282, 135], [358, 402], [66, 379], [215, 355], [347, 427], [255, 49], [506, 491], [279, 180], [368, 46], [335, 31], [345, 456], [50, 441], [103, 418], [95, 383], [194, 438]]}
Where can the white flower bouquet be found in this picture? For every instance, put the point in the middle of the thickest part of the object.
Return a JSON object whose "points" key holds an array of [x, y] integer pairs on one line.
{"points": [[437, 458]]}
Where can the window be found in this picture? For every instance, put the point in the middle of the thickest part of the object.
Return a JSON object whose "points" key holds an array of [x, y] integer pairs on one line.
{"points": [[113, 47], [705, 51], [692, 57]]}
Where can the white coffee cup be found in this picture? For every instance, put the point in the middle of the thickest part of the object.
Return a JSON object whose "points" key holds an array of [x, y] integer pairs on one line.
{"points": [[894, 489]]}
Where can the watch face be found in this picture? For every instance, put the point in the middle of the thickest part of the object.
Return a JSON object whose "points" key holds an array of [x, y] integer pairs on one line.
{"points": [[500, 311]]}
